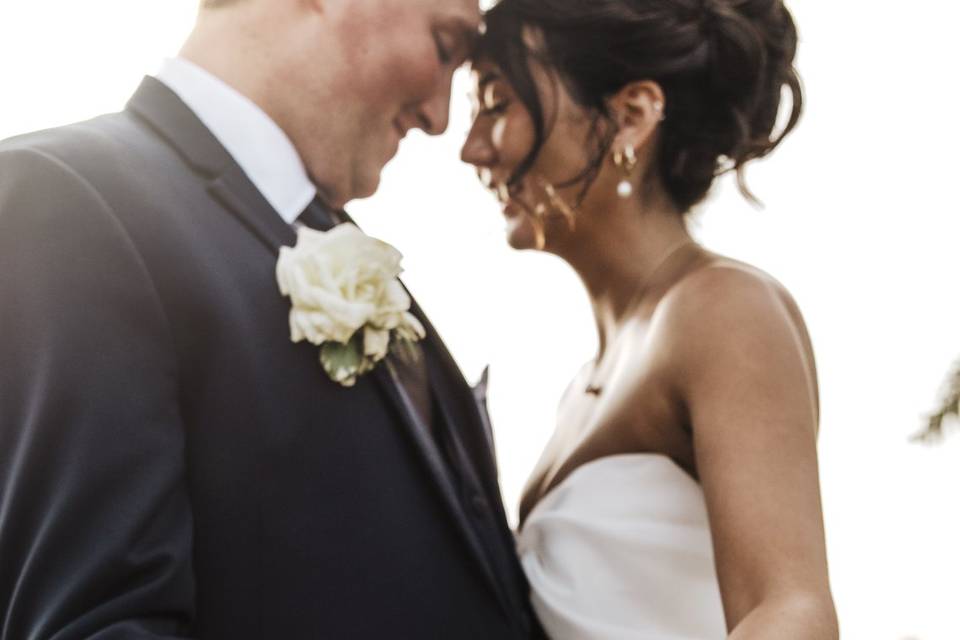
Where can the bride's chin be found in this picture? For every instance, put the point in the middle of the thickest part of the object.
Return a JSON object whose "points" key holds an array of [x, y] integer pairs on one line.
{"points": [[520, 233]]}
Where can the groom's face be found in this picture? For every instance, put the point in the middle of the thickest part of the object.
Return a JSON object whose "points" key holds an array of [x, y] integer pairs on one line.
{"points": [[398, 59]]}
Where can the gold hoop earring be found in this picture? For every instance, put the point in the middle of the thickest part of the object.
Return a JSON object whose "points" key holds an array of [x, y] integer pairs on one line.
{"points": [[538, 222], [541, 210], [559, 204], [626, 161]]}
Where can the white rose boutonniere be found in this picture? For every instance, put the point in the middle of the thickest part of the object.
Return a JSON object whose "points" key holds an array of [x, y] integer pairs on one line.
{"points": [[347, 299]]}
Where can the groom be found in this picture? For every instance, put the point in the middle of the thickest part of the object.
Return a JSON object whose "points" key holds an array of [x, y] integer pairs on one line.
{"points": [[171, 464]]}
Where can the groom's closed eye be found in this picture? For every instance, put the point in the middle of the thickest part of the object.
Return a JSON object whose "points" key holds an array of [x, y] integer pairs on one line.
{"points": [[454, 42], [446, 44]]}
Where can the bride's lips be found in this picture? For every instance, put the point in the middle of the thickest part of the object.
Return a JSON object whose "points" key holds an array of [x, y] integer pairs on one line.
{"points": [[508, 195], [510, 200]]}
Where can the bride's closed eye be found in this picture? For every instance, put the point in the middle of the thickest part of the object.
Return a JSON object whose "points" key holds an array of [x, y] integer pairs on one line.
{"points": [[491, 102]]}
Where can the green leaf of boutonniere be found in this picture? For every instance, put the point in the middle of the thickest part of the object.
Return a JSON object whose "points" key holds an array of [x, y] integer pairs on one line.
{"points": [[344, 362]]}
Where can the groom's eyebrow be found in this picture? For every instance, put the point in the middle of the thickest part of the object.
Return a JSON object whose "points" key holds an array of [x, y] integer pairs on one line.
{"points": [[468, 32], [465, 33]]}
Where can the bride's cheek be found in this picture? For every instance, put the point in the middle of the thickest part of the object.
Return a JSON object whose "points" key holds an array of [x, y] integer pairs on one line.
{"points": [[498, 133], [512, 135]]}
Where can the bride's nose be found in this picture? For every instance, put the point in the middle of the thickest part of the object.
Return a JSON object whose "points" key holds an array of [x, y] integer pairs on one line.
{"points": [[477, 149]]}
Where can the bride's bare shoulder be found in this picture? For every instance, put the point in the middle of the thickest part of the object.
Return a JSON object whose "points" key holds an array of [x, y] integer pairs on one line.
{"points": [[722, 307], [717, 286]]}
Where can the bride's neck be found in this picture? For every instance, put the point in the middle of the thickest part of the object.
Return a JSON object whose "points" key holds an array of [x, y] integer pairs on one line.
{"points": [[618, 251]]}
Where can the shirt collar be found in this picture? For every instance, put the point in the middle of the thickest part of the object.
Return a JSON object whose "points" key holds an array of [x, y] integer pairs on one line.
{"points": [[258, 145]]}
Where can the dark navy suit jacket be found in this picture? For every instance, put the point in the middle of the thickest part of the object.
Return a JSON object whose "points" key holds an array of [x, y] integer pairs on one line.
{"points": [[171, 464]]}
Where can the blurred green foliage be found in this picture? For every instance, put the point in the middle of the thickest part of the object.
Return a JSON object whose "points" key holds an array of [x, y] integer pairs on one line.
{"points": [[948, 415]]}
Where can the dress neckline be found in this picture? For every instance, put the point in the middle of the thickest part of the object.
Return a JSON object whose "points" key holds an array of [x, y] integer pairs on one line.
{"points": [[552, 491]]}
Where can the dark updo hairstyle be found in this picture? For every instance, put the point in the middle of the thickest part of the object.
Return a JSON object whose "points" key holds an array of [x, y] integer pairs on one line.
{"points": [[722, 65]]}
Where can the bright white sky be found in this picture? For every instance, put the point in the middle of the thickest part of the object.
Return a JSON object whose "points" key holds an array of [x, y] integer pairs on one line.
{"points": [[861, 224]]}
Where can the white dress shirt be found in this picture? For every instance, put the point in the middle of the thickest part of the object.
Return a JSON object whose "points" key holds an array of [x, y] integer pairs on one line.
{"points": [[255, 141]]}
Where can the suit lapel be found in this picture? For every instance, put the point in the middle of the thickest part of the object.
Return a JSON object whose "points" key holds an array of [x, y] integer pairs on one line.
{"points": [[236, 193], [442, 369], [473, 454], [430, 453], [450, 388], [172, 120], [166, 114], [458, 404]]}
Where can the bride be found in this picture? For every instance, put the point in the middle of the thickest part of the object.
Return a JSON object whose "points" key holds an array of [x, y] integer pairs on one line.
{"points": [[679, 495]]}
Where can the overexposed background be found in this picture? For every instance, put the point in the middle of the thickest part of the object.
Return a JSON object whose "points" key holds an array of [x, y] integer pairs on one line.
{"points": [[861, 224]]}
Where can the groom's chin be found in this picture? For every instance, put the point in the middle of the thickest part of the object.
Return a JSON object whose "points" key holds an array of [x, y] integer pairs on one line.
{"points": [[367, 182], [367, 190], [360, 187]]}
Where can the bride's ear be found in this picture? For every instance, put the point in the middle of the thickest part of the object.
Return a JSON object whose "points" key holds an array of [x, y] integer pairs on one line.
{"points": [[638, 109]]}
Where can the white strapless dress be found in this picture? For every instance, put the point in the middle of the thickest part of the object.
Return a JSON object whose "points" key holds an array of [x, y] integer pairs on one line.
{"points": [[621, 550]]}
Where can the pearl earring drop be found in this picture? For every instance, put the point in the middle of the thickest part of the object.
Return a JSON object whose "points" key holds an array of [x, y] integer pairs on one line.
{"points": [[626, 161]]}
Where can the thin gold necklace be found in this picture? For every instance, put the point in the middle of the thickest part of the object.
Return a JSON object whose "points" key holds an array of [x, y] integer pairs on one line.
{"points": [[597, 389]]}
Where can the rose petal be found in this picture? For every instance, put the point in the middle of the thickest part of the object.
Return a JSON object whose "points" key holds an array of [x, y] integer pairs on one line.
{"points": [[342, 281], [376, 342]]}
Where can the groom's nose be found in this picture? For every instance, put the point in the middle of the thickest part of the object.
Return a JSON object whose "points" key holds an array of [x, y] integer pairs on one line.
{"points": [[433, 115]]}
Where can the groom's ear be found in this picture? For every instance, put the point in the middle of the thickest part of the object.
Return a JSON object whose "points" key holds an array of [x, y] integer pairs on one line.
{"points": [[638, 108]]}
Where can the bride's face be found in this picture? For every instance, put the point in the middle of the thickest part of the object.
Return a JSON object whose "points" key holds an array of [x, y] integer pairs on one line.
{"points": [[502, 136]]}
